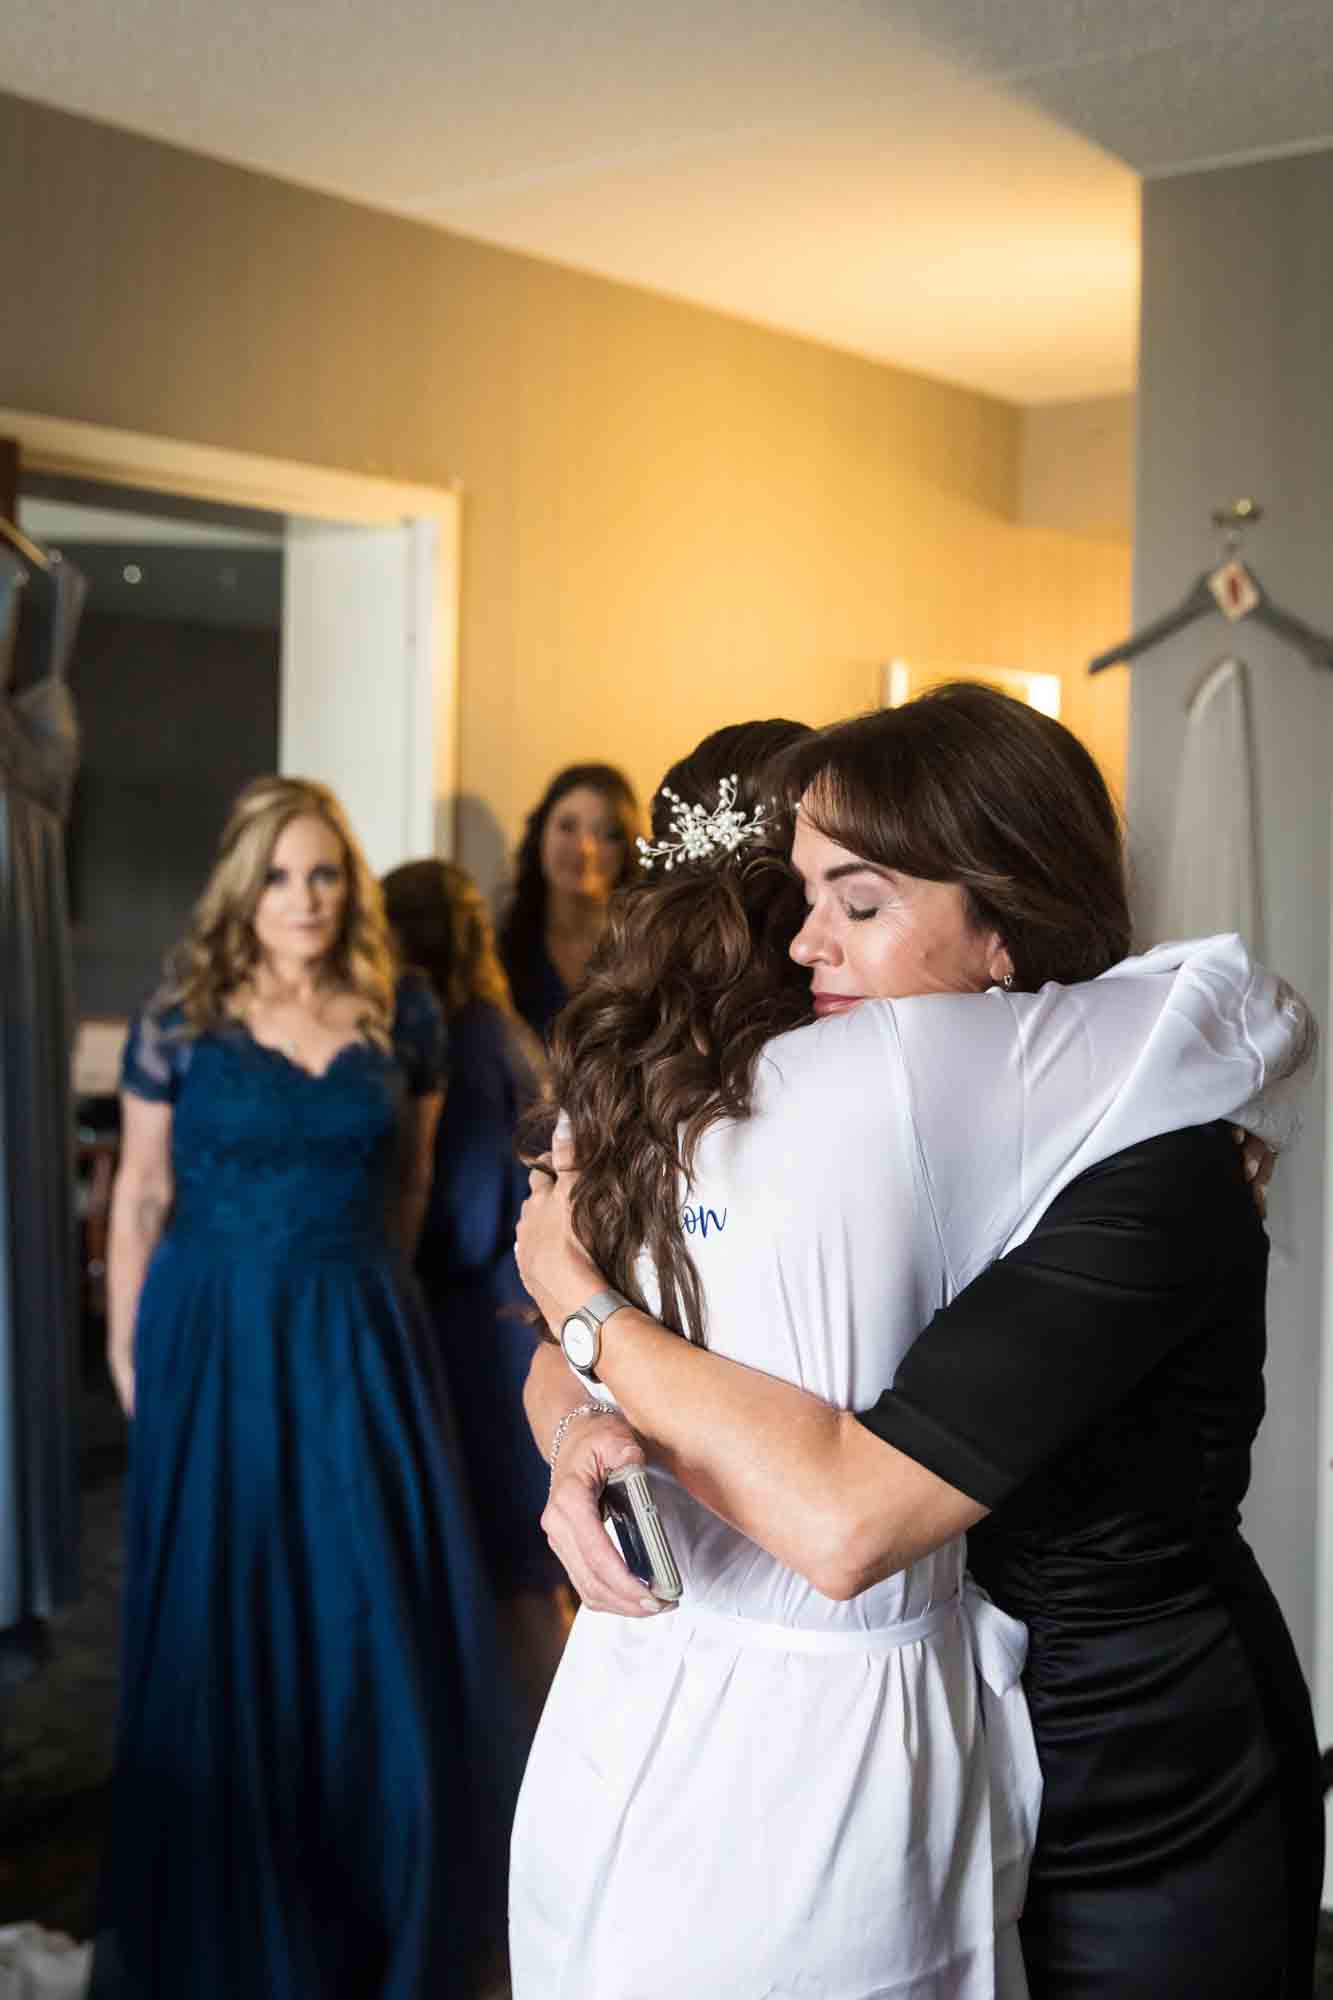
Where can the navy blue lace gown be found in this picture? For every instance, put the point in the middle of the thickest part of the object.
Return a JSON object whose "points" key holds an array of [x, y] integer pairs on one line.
{"points": [[315, 1767]]}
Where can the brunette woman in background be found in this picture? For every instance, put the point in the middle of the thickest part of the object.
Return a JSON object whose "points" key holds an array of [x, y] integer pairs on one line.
{"points": [[465, 1258], [577, 847]]}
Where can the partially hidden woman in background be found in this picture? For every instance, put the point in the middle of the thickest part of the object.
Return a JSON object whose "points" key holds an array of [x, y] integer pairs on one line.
{"points": [[577, 848], [465, 1257], [314, 1766], [1084, 1409]]}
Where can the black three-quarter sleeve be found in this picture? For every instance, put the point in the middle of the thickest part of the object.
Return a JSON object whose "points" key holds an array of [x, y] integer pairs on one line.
{"points": [[1124, 1266]]}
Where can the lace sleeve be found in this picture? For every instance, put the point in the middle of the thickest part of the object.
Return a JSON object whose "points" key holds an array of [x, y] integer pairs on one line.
{"points": [[156, 1056], [420, 1038]]}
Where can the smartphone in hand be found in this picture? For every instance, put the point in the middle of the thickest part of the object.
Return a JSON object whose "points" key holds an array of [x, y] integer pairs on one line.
{"points": [[636, 1527]]}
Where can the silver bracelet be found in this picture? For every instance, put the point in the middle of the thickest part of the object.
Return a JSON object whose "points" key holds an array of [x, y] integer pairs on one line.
{"points": [[580, 1410]]}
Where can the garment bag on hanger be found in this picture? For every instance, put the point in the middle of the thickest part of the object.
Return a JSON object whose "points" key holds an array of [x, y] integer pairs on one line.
{"points": [[1212, 877]]}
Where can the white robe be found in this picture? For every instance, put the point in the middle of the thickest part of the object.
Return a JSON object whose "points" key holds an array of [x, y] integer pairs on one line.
{"points": [[765, 1793]]}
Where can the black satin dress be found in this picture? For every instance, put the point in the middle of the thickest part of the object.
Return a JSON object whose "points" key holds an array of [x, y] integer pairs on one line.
{"points": [[1100, 1389]]}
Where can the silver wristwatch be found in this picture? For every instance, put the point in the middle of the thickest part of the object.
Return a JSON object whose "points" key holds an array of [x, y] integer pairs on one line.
{"points": [[581, 1334]]}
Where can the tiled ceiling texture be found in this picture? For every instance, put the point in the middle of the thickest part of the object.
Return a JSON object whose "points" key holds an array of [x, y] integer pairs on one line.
{"points": [[948, 185], [1166, 85]]}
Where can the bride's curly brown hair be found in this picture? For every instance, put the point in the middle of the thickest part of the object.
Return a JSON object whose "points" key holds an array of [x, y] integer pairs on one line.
{"points": [[690, 980]]}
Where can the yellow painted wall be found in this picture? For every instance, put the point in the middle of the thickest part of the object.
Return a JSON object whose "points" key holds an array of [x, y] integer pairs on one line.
{"points": [[1076, 602], [1076, 505], [671, 519]]}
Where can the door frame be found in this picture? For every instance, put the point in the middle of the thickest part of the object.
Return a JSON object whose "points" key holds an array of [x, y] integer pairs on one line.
{"points": [[73, 449]]}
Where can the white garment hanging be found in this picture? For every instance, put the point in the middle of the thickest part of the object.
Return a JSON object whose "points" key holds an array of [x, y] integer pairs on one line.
{"points": [[1212, 878], [37, 1964]]}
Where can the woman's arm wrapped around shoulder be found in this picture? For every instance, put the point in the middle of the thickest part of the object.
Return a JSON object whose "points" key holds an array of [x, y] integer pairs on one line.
{"points": [[1120, 1270], [1014, 1095], [816, 1488], [802, 1479]]}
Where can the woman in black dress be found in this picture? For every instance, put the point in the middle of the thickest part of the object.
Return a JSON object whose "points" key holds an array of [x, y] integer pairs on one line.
{"points": [[1098, 1390], [1085, 1410]]}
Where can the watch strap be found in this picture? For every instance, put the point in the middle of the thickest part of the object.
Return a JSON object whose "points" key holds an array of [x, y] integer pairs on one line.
{"points": [[601, 1305]]}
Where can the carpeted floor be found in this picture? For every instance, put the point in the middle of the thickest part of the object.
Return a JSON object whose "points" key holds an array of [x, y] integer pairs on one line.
{"points": [[57, 1728]]}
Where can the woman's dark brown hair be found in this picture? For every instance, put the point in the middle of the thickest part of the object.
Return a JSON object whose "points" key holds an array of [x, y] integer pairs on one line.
{"points": [[443, 929], [967, 785], [690, 980]]}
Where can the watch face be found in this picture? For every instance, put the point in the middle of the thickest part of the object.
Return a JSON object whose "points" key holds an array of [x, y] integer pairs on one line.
{"points": [[579, 1341]]}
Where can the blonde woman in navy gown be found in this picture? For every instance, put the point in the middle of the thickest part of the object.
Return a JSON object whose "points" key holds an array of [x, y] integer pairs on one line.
{"points": [[313, 1770]]}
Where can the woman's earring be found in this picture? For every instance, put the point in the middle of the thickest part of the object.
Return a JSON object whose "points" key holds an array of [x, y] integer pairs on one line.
{"points": [[1007, 981]]}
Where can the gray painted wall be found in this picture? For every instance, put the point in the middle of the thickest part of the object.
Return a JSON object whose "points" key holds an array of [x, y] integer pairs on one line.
{"points": [[1236, 397]]}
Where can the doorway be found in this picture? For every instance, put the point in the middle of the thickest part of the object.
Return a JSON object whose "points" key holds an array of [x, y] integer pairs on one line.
{"points": [[369, 640], [346, 595], [175, 675]]}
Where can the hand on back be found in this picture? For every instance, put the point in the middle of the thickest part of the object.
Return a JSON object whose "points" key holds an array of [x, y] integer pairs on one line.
{"points": [[1259, 1164]]}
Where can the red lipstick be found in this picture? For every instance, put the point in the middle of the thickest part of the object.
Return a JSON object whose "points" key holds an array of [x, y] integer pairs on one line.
{"points": [[835, 1003]]}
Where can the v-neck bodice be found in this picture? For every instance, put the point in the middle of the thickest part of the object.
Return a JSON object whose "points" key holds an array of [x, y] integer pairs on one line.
{"points": [[270, 1152], [347, 1048]]}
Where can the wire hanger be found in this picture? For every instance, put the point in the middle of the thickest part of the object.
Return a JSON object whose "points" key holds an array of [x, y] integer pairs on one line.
{"points": [[29, 550], [1232, 589]]}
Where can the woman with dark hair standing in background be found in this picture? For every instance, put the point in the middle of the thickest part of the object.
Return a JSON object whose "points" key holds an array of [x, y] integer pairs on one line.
{"points": [[577, 847], [465, 1256]]}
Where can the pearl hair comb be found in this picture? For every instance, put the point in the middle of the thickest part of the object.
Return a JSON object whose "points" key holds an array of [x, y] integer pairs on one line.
{"points": [[700, 835]]}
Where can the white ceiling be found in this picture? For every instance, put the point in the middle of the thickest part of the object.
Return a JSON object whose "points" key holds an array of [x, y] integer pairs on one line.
{"points": [[949, 185]]}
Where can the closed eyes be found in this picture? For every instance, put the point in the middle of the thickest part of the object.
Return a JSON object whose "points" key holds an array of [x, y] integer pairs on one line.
{"points": [[853, 912]]}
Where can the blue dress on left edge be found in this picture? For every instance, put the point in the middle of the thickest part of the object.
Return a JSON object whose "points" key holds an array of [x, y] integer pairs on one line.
{"points": [[316, 1767]]}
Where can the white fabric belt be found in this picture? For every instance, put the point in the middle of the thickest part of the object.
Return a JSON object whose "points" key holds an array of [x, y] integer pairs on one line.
{"points": [[999, 1642], [823, 1638]]}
